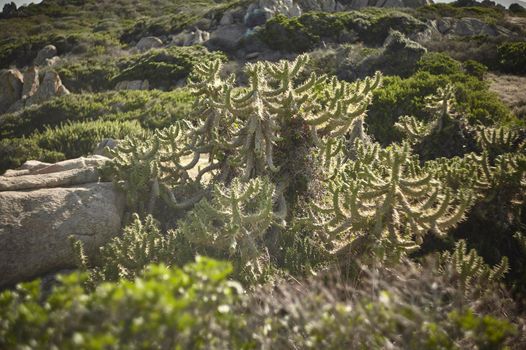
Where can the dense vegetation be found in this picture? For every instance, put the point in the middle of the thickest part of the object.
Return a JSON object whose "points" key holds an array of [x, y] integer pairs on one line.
{"points": [[34, 133], [305, 203]]}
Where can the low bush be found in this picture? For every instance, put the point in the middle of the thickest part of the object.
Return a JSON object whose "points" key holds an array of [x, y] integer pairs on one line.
{"points": [[184, 308], [400, 97], [70, 140], [303, 33], [197, 307], [152, 109], [436, 11], [90, 74], [475, 69], [512, 57], [76, 139], [163, 68], [21, 51], [157, 26]]}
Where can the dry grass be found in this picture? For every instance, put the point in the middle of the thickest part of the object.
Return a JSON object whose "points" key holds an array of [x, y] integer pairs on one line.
{"points": [[510, 88]]}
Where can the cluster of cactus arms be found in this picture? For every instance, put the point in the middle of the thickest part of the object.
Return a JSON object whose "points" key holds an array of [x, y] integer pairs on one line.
{"points": [[377, 200], [148, 168], [343, 108], [508, 170], [142, 243], [496, 141], [389, 202], [470, 269], [232, 224], [440, 106], [413, 129], [257, 115], [135, 169]]}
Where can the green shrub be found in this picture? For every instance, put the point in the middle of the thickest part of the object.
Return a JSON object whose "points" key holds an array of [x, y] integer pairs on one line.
{"points": [[400, 97], [91, 74], [382, 309], [181, 308], [512, 57], [142, 243], [439, 63], [163, 67], [303, 33], [152, 109], [436, 11], [157, 26], [517, 9], [80, 138], [14, 152], [22, 50], [475, 69], [66, 141]]}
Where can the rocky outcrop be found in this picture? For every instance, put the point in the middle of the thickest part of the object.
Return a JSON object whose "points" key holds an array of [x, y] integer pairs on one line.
{"points": [[261, 11], [468, 27], [42, 205], [67, 172], [358, 4], [227, 38], [189, 38], [45, 54], [321, 5], [31, 82], [50, 87], [11, 83], [149, 42], [35, 226], [133, 85]]}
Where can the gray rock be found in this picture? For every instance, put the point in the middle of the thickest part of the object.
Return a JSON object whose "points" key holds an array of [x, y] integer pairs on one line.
{"points": [[100, 149], [31, 82], [391, 3], [47, 52], [257, 17], [252, 55], [51, 86], [149, 42], [33, 165], [189, 38], [55, 179], [228, 18], [226, 38], [35, 226], [468, 27], [289, 8], [53, 61], [11, 83], [319, 5], [204, 24], [358, 4], [133, 85], [71, 164]]}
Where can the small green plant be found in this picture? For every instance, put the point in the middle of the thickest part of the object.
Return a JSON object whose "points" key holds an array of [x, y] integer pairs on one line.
{"points": [[142, 243], [512, 57], [189, 307], [233, 224]]}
